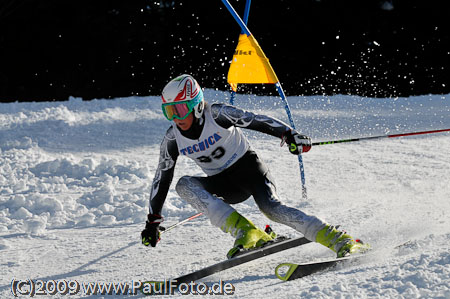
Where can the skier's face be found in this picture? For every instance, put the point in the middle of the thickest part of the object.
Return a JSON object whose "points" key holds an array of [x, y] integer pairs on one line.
{"points": [[185, 124]]}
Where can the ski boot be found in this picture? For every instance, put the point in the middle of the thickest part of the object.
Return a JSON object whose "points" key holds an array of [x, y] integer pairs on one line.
{"points": [[340, 242], [247, 234]]}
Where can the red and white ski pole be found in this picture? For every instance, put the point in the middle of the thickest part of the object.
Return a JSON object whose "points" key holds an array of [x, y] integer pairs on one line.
{"points": [[180, 223], [379, 137]]}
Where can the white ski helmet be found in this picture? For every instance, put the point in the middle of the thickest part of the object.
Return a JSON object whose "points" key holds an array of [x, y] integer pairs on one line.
{"points": [[181, 96]]}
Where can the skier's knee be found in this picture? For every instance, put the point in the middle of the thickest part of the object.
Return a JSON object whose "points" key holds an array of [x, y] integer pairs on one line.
{"points": [[190, 189], [270, 211], [183, 184]]}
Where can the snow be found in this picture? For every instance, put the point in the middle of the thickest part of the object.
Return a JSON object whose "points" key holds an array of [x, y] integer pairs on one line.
{"points": [[75, 179]]}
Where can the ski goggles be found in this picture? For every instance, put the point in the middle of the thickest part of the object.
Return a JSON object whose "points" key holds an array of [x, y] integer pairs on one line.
{"points": [[180, 110]]}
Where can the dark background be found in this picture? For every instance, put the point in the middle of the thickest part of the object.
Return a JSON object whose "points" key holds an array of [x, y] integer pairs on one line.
{"points": [[53, 49]]}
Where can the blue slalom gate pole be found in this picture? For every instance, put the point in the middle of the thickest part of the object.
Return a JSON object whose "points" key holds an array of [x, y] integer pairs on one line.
{"points": [[247, 11], [246, 31], [291, 122], [246, 14], [236, 17], [233, 95]]}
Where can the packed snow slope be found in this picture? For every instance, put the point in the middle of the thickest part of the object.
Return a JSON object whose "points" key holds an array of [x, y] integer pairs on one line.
{"points": [[75, 179]]}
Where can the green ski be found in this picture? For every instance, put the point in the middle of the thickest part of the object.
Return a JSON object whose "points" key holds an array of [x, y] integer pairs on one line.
{"points": [[291, 271]]}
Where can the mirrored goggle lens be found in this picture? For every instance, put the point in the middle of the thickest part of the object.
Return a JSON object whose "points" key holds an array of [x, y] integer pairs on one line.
{"points": [[179, 111]]}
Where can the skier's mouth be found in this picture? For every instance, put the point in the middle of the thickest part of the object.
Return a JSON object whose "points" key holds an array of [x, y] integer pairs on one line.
{"points": [[182, 125]]}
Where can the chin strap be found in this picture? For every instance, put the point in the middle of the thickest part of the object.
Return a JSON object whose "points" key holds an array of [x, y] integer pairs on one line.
{"points": [[200, 120]]}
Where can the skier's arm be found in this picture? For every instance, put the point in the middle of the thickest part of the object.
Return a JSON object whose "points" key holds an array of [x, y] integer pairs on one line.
{"points": [[160, 187], [227, 116], [164, 173]]}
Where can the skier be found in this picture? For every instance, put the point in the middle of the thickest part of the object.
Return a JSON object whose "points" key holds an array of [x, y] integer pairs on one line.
{"points": [[210, 134]]}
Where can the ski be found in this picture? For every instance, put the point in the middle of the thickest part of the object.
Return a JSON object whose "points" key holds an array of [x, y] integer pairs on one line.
{"points": [[295, 271], [291, 271], [241, 258]]}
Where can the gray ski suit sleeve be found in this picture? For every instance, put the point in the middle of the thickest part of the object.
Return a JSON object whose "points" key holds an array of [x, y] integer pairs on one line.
{"points": [[164, 173], [227, 116]]}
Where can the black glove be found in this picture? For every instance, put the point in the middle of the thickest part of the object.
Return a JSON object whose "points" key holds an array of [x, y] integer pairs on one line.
{"points": [[151, 235], [296, 142]]}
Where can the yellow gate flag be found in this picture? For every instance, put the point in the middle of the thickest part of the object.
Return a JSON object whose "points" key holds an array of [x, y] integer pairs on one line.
{"points": [[250, 65]]}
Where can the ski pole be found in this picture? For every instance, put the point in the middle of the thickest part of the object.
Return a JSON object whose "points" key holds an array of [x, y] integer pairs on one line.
{"points": [[379, 137], [180, 223]]}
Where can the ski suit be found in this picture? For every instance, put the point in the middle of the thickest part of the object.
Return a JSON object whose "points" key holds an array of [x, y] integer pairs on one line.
{"points": [[234, 171]]}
